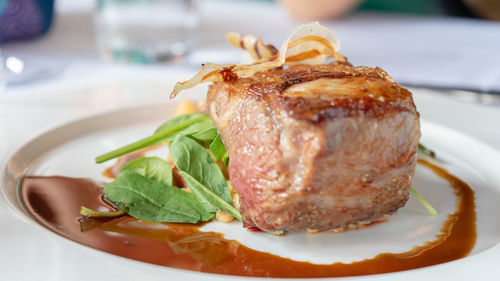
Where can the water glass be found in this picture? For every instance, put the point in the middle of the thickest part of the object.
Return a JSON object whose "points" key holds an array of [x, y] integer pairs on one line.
{"points": [[145, 31]]}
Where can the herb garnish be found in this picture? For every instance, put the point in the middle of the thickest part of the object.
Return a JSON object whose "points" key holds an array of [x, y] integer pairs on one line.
{"points": [[197, 125], [425, 151], [207, 195], [143, 187], [218, 150], [151, 167], [150, 200], [84, 211], [424, 202], [193, 159]]}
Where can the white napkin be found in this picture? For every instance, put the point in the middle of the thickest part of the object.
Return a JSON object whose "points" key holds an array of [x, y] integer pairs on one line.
{"points": [[444, 52]]}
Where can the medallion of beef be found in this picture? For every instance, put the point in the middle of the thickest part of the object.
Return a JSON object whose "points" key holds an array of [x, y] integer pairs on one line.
{"points": [[316, 146]]}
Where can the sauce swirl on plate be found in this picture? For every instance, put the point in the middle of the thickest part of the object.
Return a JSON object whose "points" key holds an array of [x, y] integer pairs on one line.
{"points": [[55, 202]]}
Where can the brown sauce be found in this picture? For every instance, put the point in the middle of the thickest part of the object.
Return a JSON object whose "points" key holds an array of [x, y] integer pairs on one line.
{"points": [[55, 202]]}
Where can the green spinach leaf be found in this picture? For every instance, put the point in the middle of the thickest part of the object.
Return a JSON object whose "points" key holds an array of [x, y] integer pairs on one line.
{"points": [[192, 158], [206, 135], [84, 211], [207, 196], [202, 130], [180, 120], [186, 125], [151, 167], [149, 200], [217, 148]]}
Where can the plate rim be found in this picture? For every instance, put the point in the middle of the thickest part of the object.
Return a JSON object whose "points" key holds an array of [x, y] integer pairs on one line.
{"points": [[26, 218]]}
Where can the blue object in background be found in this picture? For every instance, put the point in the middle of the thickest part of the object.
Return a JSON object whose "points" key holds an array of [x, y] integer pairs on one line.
{"points": [[24, 19]]}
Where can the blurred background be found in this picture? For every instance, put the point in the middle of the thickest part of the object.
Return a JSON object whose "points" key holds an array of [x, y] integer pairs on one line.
{"points": [[448, 44]]}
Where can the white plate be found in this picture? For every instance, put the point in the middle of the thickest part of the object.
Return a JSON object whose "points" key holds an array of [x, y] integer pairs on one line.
{"points": [[50, 257], [69, 151]]}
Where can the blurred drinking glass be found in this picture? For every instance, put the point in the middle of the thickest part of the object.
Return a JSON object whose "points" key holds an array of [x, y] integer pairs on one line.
{"points": [[146, 31]]}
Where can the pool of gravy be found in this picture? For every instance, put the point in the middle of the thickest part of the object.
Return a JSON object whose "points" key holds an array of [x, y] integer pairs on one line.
{"points": [[55, 202]]}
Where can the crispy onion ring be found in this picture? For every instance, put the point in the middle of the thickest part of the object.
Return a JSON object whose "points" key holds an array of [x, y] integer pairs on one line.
{"points": [[310, 43]]}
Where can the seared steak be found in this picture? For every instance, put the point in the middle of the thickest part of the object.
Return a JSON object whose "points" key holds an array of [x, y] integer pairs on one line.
{"points": [[317, 147]]}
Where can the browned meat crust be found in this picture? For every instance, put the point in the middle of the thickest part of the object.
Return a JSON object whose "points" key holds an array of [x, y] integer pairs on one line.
{"points": [[317, 147]]}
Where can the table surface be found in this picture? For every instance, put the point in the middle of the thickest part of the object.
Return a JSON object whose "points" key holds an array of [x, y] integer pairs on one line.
{"points": [[432, 51]]}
